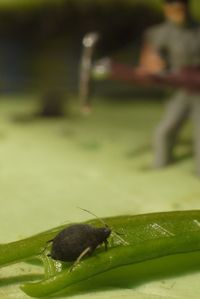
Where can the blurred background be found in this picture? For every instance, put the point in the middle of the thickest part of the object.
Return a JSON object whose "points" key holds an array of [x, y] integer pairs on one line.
{"points": [[102, 161], [41, 40], [67, 158]]}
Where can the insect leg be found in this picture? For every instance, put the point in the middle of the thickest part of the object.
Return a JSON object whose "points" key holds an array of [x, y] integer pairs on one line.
{"points": [[45, 248], [86, 251], [106, 245]]}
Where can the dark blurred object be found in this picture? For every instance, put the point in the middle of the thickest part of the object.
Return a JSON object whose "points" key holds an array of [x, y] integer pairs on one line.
{"points": [[52, 104], [119, 22]]}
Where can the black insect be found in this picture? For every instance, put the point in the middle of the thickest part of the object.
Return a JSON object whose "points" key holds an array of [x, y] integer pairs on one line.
{"points": [[78, 240]]}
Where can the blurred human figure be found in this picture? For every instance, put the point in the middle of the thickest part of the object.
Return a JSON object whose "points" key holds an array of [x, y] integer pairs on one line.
{"points": [[171, 46]]}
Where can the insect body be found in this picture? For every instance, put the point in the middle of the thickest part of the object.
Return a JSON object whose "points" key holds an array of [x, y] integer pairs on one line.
{"points": [[78, 240]]}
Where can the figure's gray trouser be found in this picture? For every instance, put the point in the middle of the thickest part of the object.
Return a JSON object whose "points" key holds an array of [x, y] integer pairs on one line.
{"points": [[179, 108]]}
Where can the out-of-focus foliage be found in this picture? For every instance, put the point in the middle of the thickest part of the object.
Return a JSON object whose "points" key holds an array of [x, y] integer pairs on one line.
{"points": [[15, 4], [83, 4]]}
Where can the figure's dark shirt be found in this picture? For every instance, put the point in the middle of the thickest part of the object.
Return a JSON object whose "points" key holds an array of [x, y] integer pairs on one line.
{"points": [[178, 45]]}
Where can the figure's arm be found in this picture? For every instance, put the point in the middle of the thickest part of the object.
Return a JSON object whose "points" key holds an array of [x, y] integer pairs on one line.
{"points": [[150, 60]]}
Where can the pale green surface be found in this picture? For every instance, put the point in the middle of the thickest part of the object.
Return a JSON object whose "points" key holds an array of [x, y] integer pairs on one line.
{"points": [[49, 167]]}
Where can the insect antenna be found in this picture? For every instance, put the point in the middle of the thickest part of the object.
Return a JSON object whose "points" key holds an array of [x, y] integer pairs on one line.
{"points": [[91, 213], [117, 235]]}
